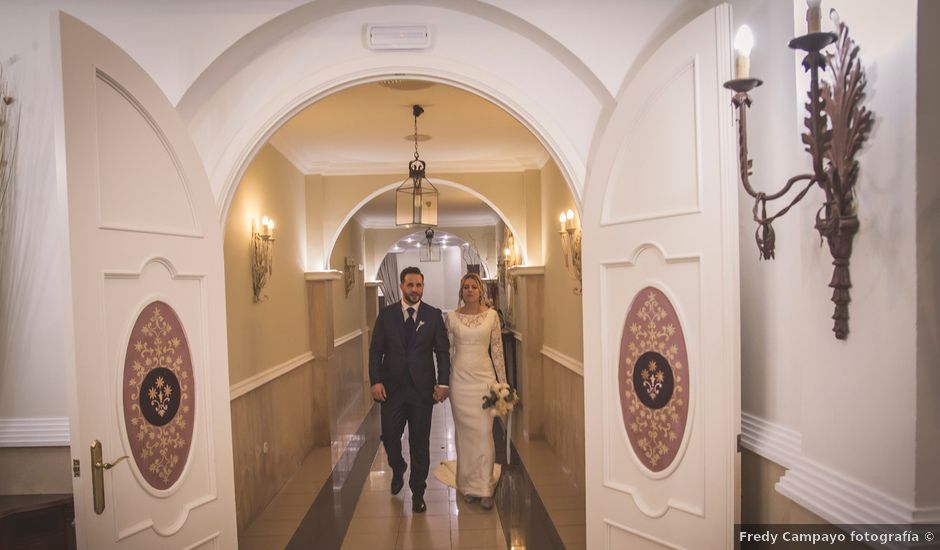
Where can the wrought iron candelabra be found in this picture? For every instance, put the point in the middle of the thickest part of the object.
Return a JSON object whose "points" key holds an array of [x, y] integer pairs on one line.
{"points": [[571, 247], [837, 126], [262, 256]]}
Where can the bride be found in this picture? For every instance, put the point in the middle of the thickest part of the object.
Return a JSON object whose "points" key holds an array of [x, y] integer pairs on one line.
{"points": [[475, 337]]}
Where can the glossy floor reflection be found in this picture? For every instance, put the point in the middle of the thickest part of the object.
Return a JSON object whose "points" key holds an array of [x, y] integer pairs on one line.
{"points": [[350, 507]]}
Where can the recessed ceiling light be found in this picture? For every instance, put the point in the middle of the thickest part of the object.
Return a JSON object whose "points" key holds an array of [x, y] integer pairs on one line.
{"points": [[406, 84]]}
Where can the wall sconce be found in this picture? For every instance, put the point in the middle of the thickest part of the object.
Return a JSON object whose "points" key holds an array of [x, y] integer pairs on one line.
{"points": [[262, 255], [837, 127], [9, 134], [571, 246], [350, 267]]}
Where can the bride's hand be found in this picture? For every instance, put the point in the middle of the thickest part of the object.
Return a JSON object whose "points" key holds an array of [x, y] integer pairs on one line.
{"points": [[440, 394]]}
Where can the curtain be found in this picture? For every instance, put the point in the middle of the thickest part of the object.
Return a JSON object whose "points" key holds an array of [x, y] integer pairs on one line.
{"points": [[388, 274]]}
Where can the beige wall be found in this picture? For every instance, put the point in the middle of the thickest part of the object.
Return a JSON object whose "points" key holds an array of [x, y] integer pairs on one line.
{"points": [[563, 333], [348, 310], [264, 334], [35, 470]]}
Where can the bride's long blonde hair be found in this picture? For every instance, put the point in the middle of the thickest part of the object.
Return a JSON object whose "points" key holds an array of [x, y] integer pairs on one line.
{"points": [[484, 299]]}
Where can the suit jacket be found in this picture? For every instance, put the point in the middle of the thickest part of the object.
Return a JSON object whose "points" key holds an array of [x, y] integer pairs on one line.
{"points": [[389, 361]]}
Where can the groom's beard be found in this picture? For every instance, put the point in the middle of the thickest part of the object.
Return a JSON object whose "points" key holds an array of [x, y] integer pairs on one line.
{"points": [[412, 298]]}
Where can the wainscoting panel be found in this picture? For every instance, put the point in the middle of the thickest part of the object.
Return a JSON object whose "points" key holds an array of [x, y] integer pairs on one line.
{"points": [[564, 416], [273, 429], [348, 395]]}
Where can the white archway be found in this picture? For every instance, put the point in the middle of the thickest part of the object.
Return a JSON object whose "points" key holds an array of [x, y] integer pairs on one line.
{"points": [[331, 243], [270, 76]]}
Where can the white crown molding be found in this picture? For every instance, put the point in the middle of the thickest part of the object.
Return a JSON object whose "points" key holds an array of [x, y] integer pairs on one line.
{"points": [[34, 432], [526, 270], [566, 361], [398, 169], [293, 157], [770, 440], [827, 493], [452, 221], [343, 339], [328, 275], [250, 384]]}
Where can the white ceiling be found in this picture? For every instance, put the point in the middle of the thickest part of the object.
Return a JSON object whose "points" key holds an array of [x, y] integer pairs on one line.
{"points": [[367, 130]]}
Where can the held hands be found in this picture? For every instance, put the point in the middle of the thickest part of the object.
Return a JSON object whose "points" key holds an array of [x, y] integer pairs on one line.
{"points": [[378, 392], [441, 394]]}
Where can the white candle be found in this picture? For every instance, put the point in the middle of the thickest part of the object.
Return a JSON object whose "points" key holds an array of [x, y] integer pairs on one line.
{"points": [[813, 16], [570, 217], [743, 42], [562, 219]]}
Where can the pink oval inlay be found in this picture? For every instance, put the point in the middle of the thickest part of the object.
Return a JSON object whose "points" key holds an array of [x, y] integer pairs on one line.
{"points": [[159, 397], [653, 376]]}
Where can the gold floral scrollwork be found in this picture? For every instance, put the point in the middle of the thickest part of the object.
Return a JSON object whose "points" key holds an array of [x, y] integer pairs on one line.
{"points": [[160, 397], [653, 364]]}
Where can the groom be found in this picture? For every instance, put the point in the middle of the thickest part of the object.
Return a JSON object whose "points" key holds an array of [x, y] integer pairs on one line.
{"points": [[407, 336]]}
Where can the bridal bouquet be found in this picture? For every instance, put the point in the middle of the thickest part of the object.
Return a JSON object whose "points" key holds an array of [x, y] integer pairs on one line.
{"points": [[500, 399]]}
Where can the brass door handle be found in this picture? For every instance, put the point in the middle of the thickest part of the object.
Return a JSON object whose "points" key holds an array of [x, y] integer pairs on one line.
{"points": [[97, 474]]}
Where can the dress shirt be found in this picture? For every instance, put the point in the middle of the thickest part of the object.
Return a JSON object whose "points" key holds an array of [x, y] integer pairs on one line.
{"points": [[404, 314]]}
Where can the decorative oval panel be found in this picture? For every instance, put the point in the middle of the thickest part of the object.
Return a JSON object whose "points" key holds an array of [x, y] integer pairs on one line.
{"points": [[159, 398], [654, 379]]}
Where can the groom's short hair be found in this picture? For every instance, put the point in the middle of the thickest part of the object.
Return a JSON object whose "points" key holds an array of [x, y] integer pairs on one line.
{"points": [[409, 271]]}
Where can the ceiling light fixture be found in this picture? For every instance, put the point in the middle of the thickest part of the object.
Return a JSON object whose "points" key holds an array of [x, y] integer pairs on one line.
{"points": [[416, 199]]}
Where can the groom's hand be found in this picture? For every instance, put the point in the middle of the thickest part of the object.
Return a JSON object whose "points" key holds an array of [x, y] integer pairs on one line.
{"points": [[378, 392], [440, 394]]}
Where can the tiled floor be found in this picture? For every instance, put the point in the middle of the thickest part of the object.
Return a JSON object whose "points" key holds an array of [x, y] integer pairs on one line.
{"points": [[386, 522], [381, 521]]}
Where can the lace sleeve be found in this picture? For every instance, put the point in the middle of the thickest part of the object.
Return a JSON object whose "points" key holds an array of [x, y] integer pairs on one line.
{"points": [[496, 349], [452, 344]]}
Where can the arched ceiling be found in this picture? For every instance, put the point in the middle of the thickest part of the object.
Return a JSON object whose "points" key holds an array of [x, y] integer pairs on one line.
{"points": [[367, 129]]}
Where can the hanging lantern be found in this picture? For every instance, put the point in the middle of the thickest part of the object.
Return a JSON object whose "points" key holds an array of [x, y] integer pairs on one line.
{"points": [[416, 199]]}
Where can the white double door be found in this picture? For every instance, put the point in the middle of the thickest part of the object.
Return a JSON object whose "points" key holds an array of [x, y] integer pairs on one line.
{"points": [[143, 229], [660, 212]]}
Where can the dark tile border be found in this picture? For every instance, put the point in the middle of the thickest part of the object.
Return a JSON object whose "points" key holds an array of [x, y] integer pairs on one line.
{"points": [[523, 515], [327, 520]]}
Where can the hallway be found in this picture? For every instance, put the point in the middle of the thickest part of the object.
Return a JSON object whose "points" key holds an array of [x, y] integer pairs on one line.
{"points": [[345, 503]]}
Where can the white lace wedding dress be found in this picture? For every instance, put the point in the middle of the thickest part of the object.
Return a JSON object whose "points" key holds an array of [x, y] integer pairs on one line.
{"points": [[473, 338]]}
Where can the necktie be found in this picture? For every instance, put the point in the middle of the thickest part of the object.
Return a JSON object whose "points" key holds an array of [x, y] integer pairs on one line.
{"points": [[409, 327]]}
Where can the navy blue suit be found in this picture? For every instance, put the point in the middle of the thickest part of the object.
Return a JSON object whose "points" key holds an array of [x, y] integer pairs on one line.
{"points": [[404, 364]]}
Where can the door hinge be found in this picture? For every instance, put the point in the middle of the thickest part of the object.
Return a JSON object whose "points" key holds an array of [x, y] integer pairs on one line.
{"points": [[740, 438], [76, 467]]}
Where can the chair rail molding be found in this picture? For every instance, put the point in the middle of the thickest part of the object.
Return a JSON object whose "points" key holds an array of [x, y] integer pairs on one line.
{"points": [[34, 432], [828, 493], [566, 361], [772, 441], [254, 382], [347, 337]]}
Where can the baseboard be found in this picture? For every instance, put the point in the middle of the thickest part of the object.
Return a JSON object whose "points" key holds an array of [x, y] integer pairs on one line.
{"points": [[34, 432], [566, 361], [262, 378]]}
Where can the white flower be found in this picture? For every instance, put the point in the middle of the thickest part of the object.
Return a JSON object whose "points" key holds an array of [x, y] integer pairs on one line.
{"points": [[504, 393], [420, 324]]}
